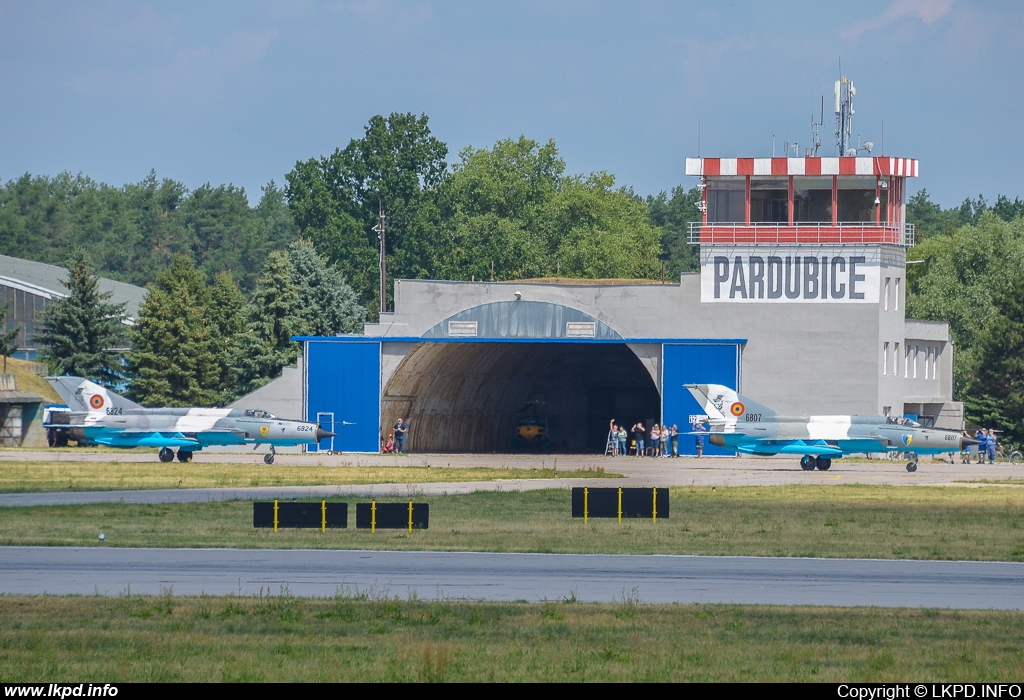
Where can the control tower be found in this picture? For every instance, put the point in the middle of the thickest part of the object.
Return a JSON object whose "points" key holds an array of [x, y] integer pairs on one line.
{"points": [[803, 232]]}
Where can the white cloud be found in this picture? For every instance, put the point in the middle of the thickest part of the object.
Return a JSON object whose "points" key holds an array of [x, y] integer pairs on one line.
{"points": [[928, 11]]}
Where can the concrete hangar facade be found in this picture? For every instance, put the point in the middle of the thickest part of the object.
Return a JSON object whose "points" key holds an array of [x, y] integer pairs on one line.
{"points": [[799, 304]]}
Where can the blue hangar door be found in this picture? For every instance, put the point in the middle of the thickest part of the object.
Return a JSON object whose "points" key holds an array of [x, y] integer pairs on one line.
{"points": [[695, 364], [343, 379]]}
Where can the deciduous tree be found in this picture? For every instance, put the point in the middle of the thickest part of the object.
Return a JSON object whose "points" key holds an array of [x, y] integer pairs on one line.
{"points": [[335, 200]]}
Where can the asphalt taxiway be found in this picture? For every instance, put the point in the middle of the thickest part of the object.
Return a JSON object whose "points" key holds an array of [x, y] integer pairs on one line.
{"points": [[508, 577]]}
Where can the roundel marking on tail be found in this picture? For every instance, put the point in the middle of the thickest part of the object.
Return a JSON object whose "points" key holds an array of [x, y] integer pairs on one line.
{"points": [[737, 409], [96, 401]]}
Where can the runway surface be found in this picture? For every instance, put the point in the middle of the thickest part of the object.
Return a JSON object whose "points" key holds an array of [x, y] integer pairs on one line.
{"points": [[508, 577]]}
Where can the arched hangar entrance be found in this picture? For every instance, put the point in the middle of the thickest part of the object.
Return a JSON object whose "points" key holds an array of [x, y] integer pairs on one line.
{"points": [[468, 383], [473, 396]]}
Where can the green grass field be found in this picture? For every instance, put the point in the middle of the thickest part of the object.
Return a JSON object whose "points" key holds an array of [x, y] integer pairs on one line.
{"points": [[921, 522], [26, 477], [362, 638]]}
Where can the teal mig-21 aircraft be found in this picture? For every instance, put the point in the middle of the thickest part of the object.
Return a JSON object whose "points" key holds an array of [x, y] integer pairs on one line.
{"points": [[741, 424], [98, 416]]}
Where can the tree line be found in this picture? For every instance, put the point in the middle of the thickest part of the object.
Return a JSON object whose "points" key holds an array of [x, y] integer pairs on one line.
{"points": [[968, 270], [196, 344], [505, 212]]}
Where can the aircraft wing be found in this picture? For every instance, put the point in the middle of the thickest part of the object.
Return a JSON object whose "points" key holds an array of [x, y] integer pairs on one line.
{"points": [[122, 438], [817, 448]]}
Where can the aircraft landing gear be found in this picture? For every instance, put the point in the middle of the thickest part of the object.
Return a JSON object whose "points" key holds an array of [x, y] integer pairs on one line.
{"points": [[807, 463], [912, 464], [823, 463], [184, 456], [269, 458], [166, 454]]}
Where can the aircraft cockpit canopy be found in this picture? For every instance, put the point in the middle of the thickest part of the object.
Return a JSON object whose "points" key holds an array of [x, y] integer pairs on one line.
{"points": [[902, 420], [257, 413]]}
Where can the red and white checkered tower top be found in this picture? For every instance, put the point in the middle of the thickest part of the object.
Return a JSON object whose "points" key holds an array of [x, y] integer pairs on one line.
{"points": [[813, 200]]}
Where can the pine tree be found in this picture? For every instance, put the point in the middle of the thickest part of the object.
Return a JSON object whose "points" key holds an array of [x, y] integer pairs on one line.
{"points": [[228, 315], [274, 317], [81, 333], [8, 340], [327, 303], [174, 360]]}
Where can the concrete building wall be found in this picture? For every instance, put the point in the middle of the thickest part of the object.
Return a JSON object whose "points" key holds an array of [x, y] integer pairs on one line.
{"points": [[460, 358], [799, 358], [282, 396]]}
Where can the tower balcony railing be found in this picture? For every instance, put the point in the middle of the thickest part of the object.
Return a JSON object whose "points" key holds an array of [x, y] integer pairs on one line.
{"points": [[850, 232]]}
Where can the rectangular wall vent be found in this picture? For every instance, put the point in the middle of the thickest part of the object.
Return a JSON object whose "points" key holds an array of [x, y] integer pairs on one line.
{"points": [[462, 329], [579, 329]]}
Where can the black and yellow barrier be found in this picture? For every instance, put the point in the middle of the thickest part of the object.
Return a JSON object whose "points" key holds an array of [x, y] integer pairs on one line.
{"points": [[392, 516], [291, 514], [619, 503]]}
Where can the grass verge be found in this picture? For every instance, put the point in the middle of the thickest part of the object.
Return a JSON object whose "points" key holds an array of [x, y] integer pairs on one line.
{"points": [[29, 477], [359, 637], [860, 521]]}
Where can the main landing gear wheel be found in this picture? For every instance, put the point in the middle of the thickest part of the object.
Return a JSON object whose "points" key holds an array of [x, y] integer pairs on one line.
{"points": [[268, 458], [166, 454], [823, 463], [184, 456], [807, 463], [911, 466]]}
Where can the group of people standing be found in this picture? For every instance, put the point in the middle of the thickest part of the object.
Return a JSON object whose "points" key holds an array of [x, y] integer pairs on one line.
{"points": [[987, 441], [661, 441]]}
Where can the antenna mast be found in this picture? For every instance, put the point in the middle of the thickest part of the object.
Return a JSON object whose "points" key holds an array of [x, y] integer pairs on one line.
{"points": [[379, 229], [845, 92], [815, 139]]}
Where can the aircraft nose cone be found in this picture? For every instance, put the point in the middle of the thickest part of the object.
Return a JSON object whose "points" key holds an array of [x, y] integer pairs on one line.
{"points": [[968, 442], [322, 434]]}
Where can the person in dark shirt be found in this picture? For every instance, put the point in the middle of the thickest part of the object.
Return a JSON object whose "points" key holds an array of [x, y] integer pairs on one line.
{"points": [[638, 434], [400, 431]]}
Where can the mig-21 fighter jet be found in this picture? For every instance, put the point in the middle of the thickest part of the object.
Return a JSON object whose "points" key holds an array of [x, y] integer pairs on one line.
{"points": [[741, 424], [98, 416]]}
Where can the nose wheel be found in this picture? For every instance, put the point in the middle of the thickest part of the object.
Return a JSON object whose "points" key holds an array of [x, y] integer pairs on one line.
{"points": [[911, 466], [269, 457]]}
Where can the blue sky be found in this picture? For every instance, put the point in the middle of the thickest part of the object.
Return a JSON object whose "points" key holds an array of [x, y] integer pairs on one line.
{"points": [[237, 92]]}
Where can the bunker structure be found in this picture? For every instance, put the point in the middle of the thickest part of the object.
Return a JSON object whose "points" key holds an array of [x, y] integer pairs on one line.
{"points": [[799, 304]]}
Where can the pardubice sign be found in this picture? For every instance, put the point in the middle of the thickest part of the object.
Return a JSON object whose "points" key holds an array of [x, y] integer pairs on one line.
{"points": [[789, 275]]}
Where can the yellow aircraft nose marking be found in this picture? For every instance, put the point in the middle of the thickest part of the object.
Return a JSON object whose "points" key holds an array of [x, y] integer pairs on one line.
{"points": [[264, 430]]}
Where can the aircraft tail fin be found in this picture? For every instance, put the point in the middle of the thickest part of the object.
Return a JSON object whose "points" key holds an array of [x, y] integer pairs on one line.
{"points": [[82, 395], [725, 405]]}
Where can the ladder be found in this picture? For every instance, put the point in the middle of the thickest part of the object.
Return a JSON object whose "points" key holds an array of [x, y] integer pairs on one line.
{"points": [[612, 445]]}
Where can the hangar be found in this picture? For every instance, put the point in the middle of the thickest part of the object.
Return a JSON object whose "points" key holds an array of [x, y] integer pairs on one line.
{"points": [[799, 303], [464, 383]]}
